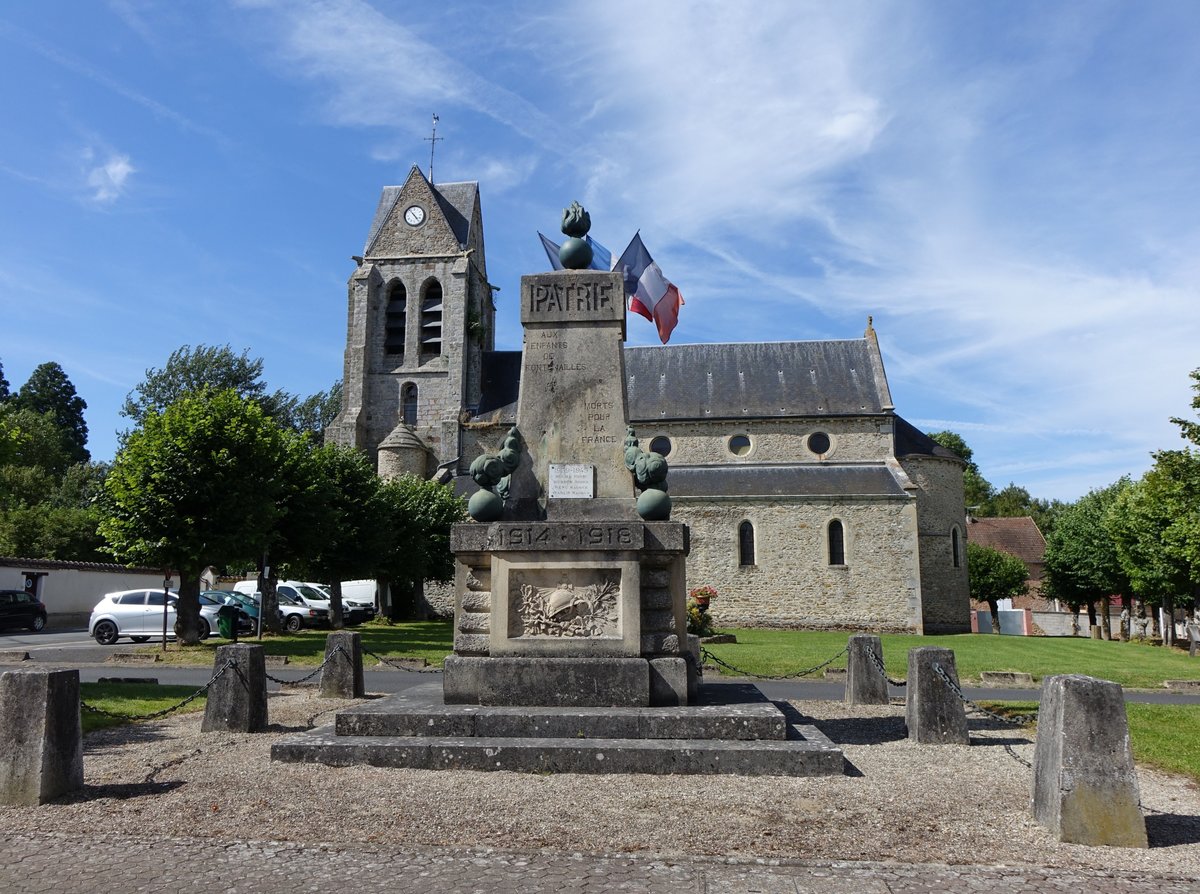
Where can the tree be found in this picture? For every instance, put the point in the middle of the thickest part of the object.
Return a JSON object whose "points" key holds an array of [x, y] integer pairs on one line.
{"points": [[5, 394], [1082, 563], [32, 439], [50, 391], [994, 575], [189, 370], [195, 485], [1187, 428], [976, 489], [355, 523], [312, 414], [419, 516]]}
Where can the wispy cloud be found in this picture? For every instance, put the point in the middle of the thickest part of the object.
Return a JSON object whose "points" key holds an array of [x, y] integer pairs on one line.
{"points": [[108, 180]]}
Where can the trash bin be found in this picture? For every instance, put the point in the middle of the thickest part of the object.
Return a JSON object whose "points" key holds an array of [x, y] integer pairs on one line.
{"points": [[227, 622]]}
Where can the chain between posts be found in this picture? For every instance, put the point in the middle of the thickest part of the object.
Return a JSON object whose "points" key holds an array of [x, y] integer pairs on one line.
{"points": [[307, 677], [411, 670], [165, 711], [1017, 720], [737, 670], [878, 662]]}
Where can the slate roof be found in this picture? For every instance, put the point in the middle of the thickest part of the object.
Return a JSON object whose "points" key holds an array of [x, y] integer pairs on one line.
{"points": [[810, 479], [911, 441], [754, 380], [457, 201], [1018, 537]]}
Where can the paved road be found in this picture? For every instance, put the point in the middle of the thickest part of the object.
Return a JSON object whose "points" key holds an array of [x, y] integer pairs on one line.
{"points": [[75, 863]]}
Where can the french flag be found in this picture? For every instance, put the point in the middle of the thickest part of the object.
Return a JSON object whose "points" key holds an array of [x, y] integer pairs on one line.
{"points": [[650, 293]]}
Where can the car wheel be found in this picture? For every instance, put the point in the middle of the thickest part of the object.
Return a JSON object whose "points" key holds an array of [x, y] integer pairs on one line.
{"points": [[205, 630], [294, 623], [39, 623], [106, 633], [140, 639]]}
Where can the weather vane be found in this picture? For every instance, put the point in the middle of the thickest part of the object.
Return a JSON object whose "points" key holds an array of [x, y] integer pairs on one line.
{"points": [[433, 141]]}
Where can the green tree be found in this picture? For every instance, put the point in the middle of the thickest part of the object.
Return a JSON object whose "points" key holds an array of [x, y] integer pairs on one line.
{"points": [[46, 531], [312, 414], [32, 439], [195, 485], [419, 515], [189, 370], [994, 575], [1187, 428], [355, 523], [976, 489], [1082, 563], [48, 390], [5, 394]]}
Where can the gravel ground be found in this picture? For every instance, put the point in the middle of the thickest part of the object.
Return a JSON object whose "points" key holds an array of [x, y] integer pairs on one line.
{"points": [[898, 802]]}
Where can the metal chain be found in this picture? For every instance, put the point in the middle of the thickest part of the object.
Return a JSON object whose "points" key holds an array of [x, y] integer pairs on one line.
{"points": [[203, 689], [411, 670], [878, 662], [307, 677], [737, 670], [1017, 720], [693, 662]]}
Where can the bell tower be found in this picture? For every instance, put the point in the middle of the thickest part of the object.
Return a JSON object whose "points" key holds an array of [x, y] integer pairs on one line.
{"points": [[420, 318]]}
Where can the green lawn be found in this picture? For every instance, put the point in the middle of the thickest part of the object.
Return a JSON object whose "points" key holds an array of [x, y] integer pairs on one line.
{"points": [[131, 700], [778, 653], [431, 640]]}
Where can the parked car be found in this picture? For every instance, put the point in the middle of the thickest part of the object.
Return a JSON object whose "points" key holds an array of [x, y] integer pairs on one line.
{"points": [[298, 614], [21, 609], [358, 601], [137, 614], [210, 604], [352, 612]]}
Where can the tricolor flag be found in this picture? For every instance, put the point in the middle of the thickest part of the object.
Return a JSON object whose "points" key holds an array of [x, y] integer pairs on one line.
{"points": [[650, 293], [601, 256]]}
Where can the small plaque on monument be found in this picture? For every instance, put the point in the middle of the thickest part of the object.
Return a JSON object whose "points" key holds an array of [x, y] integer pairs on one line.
{"points": [[572, 481]]}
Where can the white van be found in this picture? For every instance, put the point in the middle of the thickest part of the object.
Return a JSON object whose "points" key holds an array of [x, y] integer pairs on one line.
{"points": [[353, 611]]}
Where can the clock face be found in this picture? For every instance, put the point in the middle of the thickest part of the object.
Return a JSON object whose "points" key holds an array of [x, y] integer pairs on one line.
{"points": [[414, 216]]}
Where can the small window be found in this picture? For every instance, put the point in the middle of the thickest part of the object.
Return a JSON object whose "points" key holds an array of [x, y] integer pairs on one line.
{"points": [[661, 445], [409, 400], [818, 443], [156, 598], [954, 548], [837, 543], [138, 598], [745, 543], [739, 445]]}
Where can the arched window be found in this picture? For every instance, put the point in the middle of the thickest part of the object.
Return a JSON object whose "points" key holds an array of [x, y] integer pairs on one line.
{"points": [[837, 543], [397, 319], [745, 543], [408, 397], [431, 321], [955, 548]]}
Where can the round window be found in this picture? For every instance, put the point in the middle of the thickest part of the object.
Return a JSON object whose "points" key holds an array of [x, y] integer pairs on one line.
{"points": [[818, 442], [739, 445], [661, 445]]}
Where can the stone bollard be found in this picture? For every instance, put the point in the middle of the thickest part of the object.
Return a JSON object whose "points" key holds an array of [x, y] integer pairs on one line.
{"points": [[237, 702], [1085, 789], [342, 676], [865, 683], [933, 713], [41, 741]]}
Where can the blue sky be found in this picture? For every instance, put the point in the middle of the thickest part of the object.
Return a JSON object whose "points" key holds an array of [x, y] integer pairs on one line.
{"points": [[1009, 188]]}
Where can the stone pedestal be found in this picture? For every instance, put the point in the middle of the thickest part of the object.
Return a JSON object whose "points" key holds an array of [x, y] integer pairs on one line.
{"points": [[41, 742], [237, 701], [865, 683], [342, 676], [933, 713], [1085, 788]]}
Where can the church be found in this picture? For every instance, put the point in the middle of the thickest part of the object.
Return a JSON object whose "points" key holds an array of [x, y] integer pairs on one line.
{"points": [[810, 502]]}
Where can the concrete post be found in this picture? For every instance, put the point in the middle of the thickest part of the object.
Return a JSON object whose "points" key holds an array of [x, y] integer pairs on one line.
{"points": [[237, 702], [933, 713], [865, 683], [342, 676], [41, 741], [1085, 788]]}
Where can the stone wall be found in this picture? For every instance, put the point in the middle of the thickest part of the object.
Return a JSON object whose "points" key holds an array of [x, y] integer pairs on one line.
{"points": [[791, 583], [941, 511], [861, 439]]}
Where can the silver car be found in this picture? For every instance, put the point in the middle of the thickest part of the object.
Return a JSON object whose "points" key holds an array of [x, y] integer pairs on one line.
{"points": [[138, 614]]}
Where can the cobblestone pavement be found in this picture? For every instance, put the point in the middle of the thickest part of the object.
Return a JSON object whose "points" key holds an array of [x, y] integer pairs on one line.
{"points": [[63, 863]]}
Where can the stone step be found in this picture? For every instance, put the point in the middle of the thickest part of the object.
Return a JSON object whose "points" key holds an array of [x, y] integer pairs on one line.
{"points": [[809, 754]]}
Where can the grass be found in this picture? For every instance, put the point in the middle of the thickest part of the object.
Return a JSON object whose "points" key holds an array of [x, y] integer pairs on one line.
{"points": [[431, 640], [131, 700], [1166, 737], [777, 653]]}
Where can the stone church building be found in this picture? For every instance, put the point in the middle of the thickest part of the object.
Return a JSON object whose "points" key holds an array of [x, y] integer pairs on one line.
{"points": [[811, 503]]}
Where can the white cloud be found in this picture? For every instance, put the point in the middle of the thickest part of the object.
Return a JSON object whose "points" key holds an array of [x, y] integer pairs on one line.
{"points": [[108, 180]]}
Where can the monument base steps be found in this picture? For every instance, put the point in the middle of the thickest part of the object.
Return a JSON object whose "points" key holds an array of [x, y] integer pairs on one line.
{"points": [[733, 730]]}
